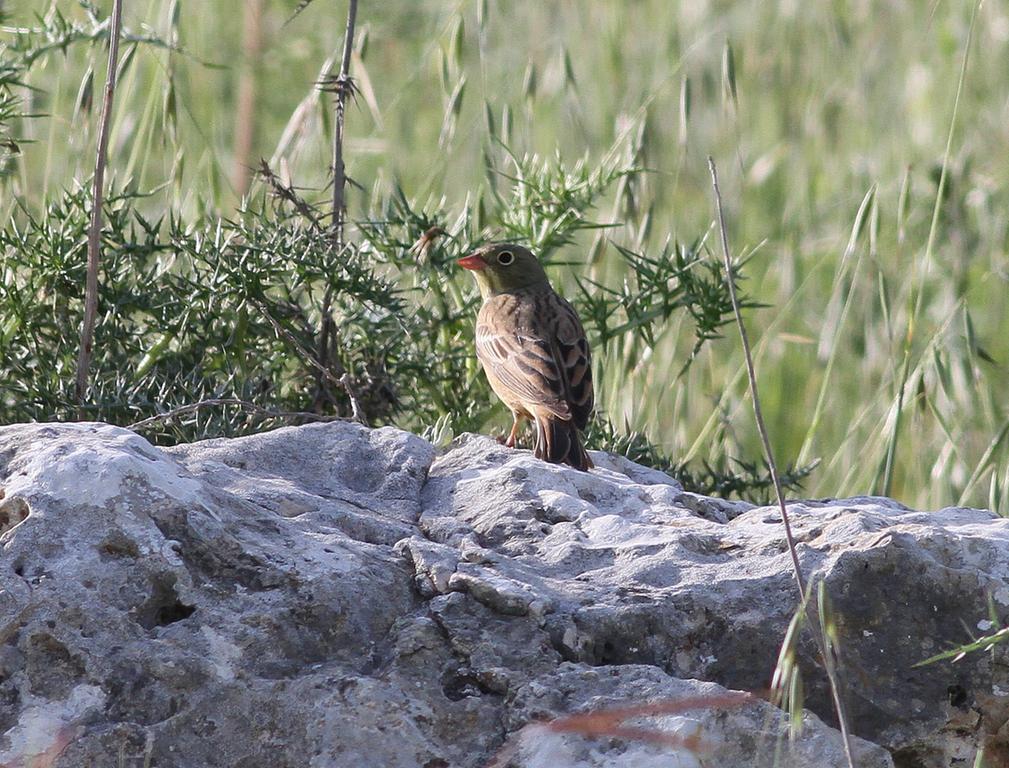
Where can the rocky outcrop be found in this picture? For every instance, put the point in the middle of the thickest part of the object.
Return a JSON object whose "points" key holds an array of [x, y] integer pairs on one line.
{"points": [[331, 595]]}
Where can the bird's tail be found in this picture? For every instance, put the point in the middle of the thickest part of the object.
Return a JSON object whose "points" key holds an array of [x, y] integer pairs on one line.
{"points": [[557, 440]]}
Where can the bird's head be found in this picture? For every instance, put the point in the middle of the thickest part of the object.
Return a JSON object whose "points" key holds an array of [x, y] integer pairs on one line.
{"points": [[504, 267]]}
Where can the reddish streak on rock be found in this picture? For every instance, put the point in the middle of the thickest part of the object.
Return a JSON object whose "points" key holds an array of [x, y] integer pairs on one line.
{"points": [[46, 759], [608, 723]]}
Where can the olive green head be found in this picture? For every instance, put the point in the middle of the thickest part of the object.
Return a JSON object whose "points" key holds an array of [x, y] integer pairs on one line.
{"points": [[504, 268]]}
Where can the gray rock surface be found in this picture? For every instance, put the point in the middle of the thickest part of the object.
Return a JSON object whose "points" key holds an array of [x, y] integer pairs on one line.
{"points": [[333, 596]]}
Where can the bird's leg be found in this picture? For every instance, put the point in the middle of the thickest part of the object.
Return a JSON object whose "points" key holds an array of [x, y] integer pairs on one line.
{"points": [[513, 435]]}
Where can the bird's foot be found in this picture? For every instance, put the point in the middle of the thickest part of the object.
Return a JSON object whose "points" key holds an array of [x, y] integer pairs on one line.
{"points": [[508, 441]]}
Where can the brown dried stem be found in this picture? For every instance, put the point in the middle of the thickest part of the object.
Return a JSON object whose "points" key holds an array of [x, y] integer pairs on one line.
{"points": [[245, 109], [343, 86], [324, 373], [287, 193], [95, 230], [219, 401]]}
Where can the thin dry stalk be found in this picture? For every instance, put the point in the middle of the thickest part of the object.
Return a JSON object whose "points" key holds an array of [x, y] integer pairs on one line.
{"points": [[245, 109], [343, 87], [216, 402], [357, 413], [422, 248], [773, 469], [305, 354], [323, 372], [95, 230], [752, 374], [287, 193]]}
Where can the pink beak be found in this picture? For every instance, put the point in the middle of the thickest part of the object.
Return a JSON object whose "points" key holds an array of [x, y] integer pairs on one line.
{"points": [[473, 261]]}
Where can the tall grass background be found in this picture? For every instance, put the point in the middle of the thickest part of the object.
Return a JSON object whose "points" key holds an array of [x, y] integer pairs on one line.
{"points": [[830, 122]]}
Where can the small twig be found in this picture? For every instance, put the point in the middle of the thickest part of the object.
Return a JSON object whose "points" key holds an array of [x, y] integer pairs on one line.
{"points": [[218, 401], [95, 230], [287, 193], [302, 5], [773, 469], [343, 380], [426, 242], [326, 351], [306, 355], [355, 407]]}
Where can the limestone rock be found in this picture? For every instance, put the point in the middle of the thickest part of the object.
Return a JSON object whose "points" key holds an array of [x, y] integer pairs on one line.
{"points": [[333, 596]]}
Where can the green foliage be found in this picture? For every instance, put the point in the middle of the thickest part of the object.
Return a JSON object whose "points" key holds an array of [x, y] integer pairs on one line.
{"points": [[677, 278], [235, 311], [10, 110], [549, 201], [729, 477], [11, 84], [55, 32], [442, 309], [188, 314], [883, 353]]}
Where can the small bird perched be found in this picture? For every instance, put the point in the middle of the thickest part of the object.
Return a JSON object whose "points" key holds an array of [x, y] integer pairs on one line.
{"points": [[533, 349]]}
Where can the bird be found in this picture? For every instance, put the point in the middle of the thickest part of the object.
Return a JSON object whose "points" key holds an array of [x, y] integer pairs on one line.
{"points": [[533, 349]]}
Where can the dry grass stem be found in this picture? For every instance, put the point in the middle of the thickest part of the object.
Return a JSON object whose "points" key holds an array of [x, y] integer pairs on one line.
{"points": [[95, 230], [772, 466]]}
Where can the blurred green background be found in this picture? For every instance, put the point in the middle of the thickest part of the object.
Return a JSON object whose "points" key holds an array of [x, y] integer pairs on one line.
{"points": [[813, 110]]}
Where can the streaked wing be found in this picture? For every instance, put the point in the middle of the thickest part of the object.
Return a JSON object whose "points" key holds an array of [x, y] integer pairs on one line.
{"points": [[573, 354], [525, 365], [535, 346]]}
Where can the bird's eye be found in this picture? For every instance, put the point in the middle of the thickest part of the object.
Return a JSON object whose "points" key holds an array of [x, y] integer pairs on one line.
{"points": [[505, 258]]}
